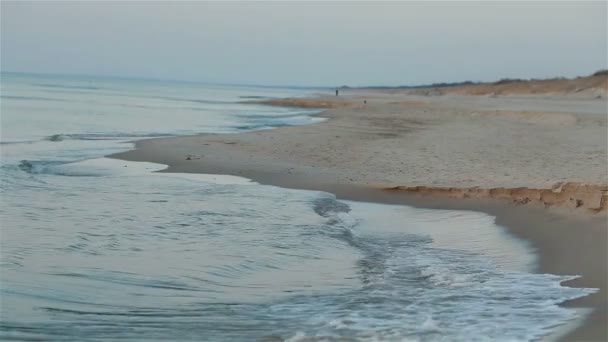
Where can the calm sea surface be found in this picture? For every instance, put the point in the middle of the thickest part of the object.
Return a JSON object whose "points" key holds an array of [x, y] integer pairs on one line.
{"points": [[99, 249]]}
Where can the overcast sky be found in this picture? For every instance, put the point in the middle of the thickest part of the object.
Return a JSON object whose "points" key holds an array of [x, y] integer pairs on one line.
{"points": [[306, 43]]}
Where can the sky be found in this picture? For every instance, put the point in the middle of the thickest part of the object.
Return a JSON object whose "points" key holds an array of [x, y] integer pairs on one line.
{"points": [[306, 43]]}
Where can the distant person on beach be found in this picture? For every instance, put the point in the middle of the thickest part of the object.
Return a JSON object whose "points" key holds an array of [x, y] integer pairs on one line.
{"points": [[336, 92]]}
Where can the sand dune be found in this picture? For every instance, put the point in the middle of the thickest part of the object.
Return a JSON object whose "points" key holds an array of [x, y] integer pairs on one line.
{"points": [[593, 86]]}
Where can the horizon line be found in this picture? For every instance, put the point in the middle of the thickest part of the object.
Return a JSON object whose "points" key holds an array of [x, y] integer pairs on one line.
{"points": [[154, 79]]}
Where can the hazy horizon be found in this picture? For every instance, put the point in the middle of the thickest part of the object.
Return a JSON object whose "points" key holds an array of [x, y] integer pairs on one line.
{"points": [[248, 84], [306, 43]]}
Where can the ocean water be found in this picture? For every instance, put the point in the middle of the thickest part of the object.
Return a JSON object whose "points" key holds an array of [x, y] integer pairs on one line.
{"points": [[97, 249]]}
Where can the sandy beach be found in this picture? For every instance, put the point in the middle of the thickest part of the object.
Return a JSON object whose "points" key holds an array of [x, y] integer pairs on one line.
{"points": [[536, 162]]}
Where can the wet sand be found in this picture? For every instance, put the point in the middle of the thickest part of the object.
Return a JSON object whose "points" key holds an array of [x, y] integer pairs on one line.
{"points": [[454, 142]]}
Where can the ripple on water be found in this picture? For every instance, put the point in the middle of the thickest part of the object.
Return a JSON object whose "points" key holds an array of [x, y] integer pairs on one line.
{"points": [[242, 261]]}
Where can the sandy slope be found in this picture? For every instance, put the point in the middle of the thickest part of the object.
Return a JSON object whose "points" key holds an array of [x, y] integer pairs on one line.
{"points": [[452, 142], [491, 147]]}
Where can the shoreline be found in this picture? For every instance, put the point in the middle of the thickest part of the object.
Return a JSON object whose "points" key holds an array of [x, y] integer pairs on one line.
{"points": [[561, 249]]}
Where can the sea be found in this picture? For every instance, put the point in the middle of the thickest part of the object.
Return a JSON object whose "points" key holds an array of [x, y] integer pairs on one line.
{"points": [[99, 249]]}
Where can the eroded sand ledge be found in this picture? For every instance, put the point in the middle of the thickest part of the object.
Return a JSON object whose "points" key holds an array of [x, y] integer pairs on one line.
{"points": [[593, 198]]}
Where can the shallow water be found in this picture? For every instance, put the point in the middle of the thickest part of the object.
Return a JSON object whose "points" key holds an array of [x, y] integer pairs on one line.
{"points": [[102, 249]]}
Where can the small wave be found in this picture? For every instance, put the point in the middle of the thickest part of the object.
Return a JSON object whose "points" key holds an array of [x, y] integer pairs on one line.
{"points": [[96, 167], [37, 167], [104, 136], [179, 99], [63, 86], [270, 122], [30, 98], [443, 276], [255, 127], [327, 206], [55, 137], [339, 224], [274, 116], [18, 142], [123, 278], [26, 165], [430, 325], [254, 97]]}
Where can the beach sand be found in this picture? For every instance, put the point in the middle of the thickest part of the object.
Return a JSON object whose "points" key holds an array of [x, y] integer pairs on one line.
{"points": [[537, 163]]}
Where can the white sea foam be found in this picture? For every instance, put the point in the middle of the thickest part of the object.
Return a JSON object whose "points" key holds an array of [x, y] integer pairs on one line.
{"points": [[99, 167], [210, 178], [468, 230], [104, 167]]}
